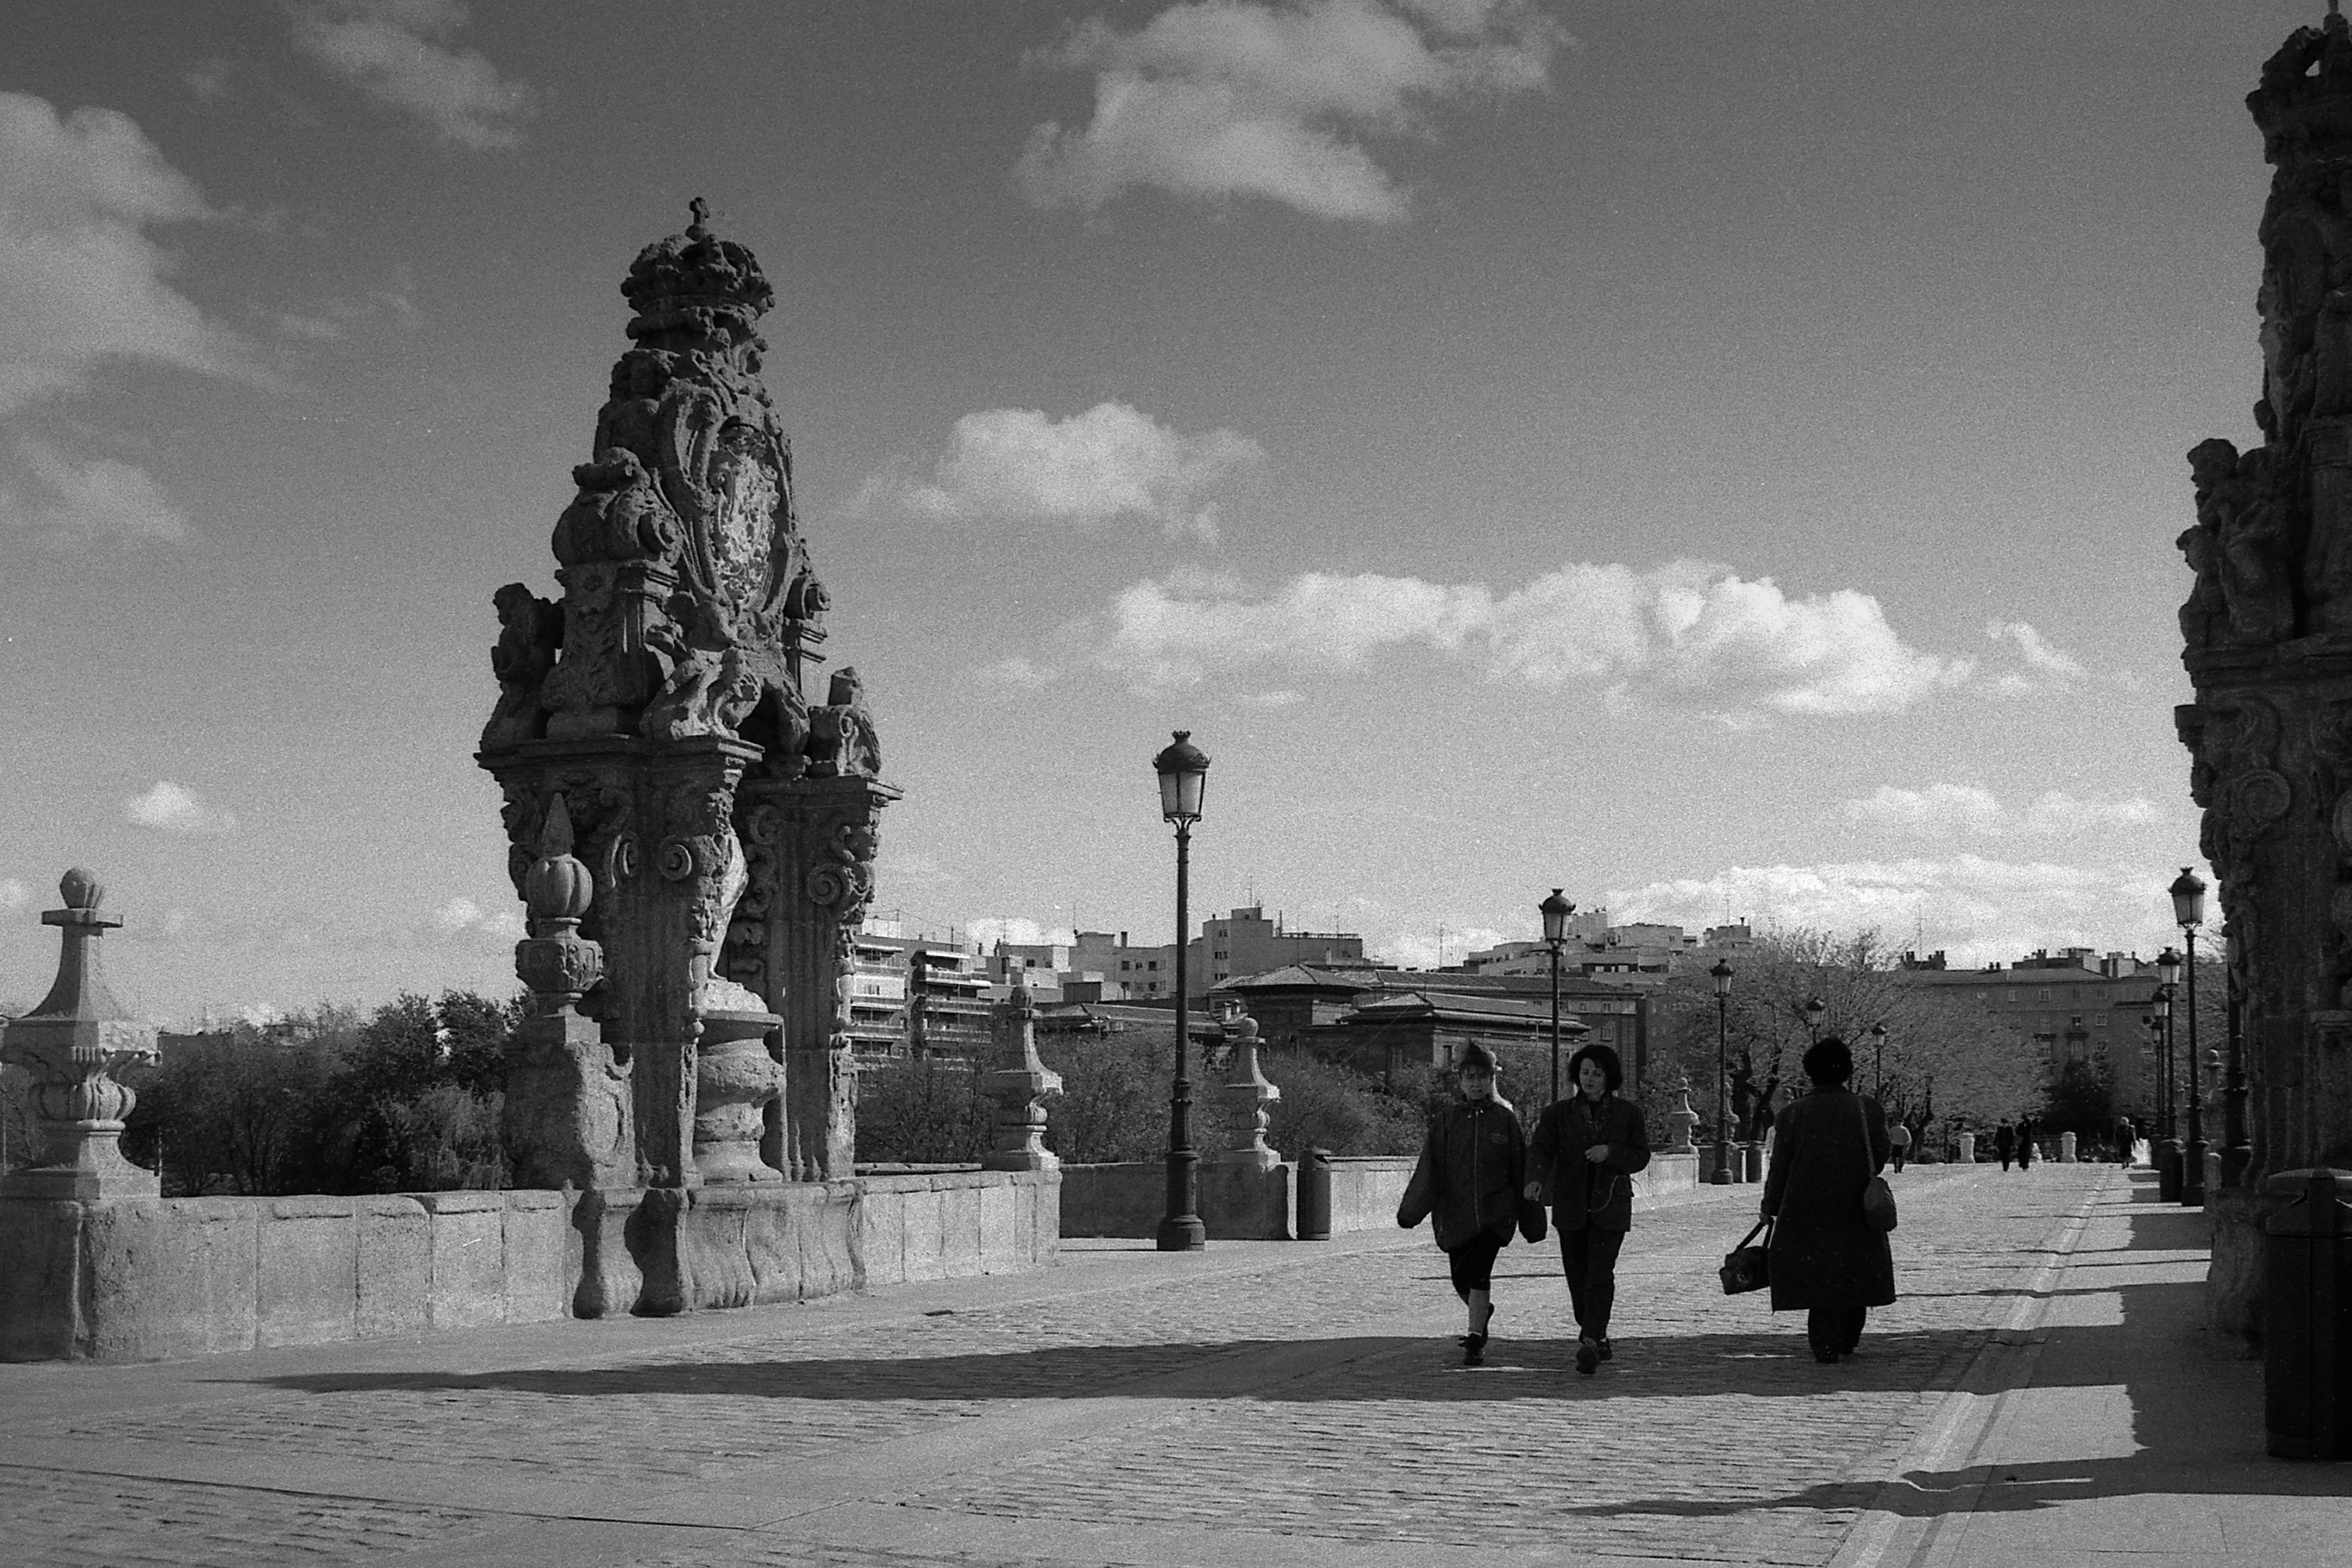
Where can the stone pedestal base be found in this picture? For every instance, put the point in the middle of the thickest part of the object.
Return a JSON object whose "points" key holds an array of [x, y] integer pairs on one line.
{"points": [[2233, 1284]]}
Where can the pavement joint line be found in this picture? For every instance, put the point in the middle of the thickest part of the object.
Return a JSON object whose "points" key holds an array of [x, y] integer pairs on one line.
{"points": [[1972, 1414]]}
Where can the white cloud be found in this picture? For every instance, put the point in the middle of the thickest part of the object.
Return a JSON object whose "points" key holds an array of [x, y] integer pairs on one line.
{"points": [[80, 282], [396, 52], [1219, 98], [1423, 949], [2046, 667], [1977, 909], [1947, 809], [1020, 673], [74, 501], [461, 917], [175, 808], [1688, 633], [1017, 929], [1110, 461]]}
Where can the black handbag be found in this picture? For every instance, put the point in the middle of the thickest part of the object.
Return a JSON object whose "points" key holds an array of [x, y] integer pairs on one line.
{"points": [[1878, 1197], [1748, 1267], [1531, 1220]]}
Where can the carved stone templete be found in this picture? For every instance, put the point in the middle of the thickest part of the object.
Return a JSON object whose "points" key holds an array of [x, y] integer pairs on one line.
{"points": [[723, 836], [1251, 1095], [73, 1044], [2267, 634], [1018, 1085]]}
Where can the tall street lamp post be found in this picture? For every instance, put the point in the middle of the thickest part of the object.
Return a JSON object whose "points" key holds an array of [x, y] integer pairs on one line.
{"points": [[1813, 1009], [1183, 770], [2189, 909], [1878, 1063], [2168, 1146], [1721, 973], [1555, 911]]}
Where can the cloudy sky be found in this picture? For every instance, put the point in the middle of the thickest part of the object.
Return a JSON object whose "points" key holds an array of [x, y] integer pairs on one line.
{"points": [[1720, 458]]}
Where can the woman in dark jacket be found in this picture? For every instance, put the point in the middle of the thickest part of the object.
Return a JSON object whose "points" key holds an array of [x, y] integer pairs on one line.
{"points": [[1826, 1259], [1581, 1160], [1467, 1182]]}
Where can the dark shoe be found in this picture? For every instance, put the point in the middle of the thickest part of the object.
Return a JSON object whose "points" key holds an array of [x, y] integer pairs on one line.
{"points": [[1607, 1351], [1588, 1357], [1474, 1350], [1823, 1355]]}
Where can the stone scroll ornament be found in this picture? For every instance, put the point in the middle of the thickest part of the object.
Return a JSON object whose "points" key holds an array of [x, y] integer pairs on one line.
{"points": [[73, 1044]]}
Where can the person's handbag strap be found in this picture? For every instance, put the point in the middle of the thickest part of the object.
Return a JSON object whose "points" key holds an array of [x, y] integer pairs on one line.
{"points": [[1869, 1166]]}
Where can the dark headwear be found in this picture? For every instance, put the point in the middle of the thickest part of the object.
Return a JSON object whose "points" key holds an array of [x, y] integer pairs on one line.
{"points": [[1613, 1072], [1476, 1058], [1828, 1063]]}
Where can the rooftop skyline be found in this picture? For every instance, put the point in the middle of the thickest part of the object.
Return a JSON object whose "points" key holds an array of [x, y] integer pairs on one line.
{"points": [[1723, 460]]}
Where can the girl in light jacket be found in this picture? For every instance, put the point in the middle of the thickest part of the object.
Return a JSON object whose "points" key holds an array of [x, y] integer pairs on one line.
{"points": [[1581, 1160]]}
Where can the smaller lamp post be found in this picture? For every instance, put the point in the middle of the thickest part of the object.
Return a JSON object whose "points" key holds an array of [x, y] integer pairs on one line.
{"points": [[1811, 1012], [2188, 892], [1878, 1062], [1721, 974], [2168, 1143], [1555, 911], [1183, 770]]}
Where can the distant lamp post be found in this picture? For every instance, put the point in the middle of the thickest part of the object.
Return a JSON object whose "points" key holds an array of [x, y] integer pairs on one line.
{"points": [[2168, 1144], [1721, 974], [1183, 770], [2188, 911], [1813, 1010], [1878, 1062], [1555, 911]]}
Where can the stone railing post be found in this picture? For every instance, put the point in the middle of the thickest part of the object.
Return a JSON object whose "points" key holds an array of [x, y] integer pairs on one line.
{"points": [[1683, 1119], [1252, 1096], [73, 1044], [568, 1115], [1018, 1085]]}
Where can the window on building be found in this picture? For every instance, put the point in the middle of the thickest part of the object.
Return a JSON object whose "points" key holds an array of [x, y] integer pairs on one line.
{"points": [[2043, 994], [1153, 965]]}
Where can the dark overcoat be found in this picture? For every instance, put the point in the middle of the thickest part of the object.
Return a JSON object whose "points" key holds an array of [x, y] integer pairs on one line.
{"points": [[1825, 1148], [1472, 1166], [1581, 1191]]}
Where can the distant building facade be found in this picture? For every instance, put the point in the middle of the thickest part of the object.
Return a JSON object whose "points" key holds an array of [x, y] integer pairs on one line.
{"points": [[2077, 1004]]}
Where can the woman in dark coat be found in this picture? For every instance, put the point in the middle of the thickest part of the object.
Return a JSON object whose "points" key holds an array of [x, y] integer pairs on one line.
{"points": [[1826, 1259], [1468, 1184], [1580, 1161], [2004, 1142]]}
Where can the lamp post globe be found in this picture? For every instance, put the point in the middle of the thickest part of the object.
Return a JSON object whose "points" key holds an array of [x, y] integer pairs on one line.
{"points": [[1555, 911], [1183, 770], [1721, 975], [1813, 1011], [2188, 892], [1878, 1062]]}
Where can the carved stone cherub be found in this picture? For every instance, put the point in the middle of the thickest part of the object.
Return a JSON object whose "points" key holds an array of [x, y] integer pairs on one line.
{"points": [[530, 629], [843, 740], [2211, 463], [2257, 585]]}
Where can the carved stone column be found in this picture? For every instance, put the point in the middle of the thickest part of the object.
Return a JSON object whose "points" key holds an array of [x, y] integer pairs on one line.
{"points": [[569, 1116], [2268, 634], [73, 1044], [1250, 1095], [1018, 1084], [812, 843]]}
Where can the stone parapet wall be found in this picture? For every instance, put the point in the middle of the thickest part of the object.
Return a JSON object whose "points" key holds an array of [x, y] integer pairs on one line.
{"points": [[155, 1278], [159, 1279]]}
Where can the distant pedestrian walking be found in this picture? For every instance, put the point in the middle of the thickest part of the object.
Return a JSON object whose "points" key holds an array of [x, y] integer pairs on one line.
{"points": [[2126, 1136], [1898, 1139], [1473, 1164], [2004, 1143], [1826, 1259], [2024, 1141], [1580, 1162]]}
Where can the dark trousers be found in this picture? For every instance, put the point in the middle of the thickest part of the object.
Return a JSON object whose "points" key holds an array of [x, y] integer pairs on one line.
{"points": [[1900, 1150], [1835, 1329], [1472, 1263], [1589, 1258]]}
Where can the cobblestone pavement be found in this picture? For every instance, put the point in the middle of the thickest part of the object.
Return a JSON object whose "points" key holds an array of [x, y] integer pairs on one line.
{"points": [[1292, 1402]]}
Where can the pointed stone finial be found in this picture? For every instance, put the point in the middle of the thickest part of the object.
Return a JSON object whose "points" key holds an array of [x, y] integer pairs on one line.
{"points": [[73, 1044], [557, 889], [1250, 1095], [1018, 1085], [81, 890]]}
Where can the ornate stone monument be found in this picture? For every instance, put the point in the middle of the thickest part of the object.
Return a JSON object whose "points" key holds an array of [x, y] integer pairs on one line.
{"points": [[693, 833], [73, 1044], [2268, 634]]}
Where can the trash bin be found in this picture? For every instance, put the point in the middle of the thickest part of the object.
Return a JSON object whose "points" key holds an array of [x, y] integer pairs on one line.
{"points": [[1315, 1195], [2307, 1317]]}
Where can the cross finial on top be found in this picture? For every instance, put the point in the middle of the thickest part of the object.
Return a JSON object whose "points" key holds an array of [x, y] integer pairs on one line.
{"points": [[699, 210]]}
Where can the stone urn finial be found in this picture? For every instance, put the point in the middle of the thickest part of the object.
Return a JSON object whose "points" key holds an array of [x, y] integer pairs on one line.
{"points": [[1682, 1119], [1252, 1096], [73, 1044], [1018, 1086]]}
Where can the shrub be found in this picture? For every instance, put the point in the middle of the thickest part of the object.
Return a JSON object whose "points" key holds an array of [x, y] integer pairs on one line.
{"points": [[923, 1111]]}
